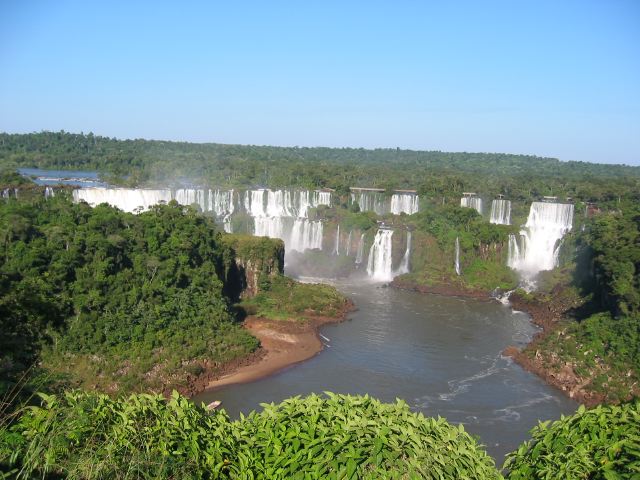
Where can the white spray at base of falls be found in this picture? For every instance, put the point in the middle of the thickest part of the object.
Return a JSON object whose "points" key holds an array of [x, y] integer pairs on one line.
{"points": [[539, 241], [380, 258], [500, 212], [457, 264], [360, 251], [404, 264], [472, 202]]}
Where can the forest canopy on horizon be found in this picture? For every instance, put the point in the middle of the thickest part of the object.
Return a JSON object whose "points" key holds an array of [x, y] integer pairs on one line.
{"points": [[432, 173]]}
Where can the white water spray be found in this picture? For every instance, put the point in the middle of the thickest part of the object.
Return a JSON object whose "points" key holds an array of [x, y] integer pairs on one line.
{"points": [[404, 264], [501, 212], [472, 202], [379, 264], [539, 242]]}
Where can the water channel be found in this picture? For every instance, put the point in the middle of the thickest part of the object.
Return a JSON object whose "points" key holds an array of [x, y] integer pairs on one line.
{"points": [[442, 355]]}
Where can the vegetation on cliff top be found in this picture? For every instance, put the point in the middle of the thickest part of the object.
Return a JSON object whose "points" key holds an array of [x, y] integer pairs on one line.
{"points": [[282, 298]]}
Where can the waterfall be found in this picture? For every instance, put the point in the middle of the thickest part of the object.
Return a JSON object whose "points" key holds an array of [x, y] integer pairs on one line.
{"points": [[126, 199], [348, 249], [370, 202], [472, 202], [305, 235], [457, 265], [189, 196], [221, 202], [272, 227], [379, 264], [5, 193], [538, 246], [336, 248], [404, 203], [48, 192], [501, 212], [404, 264], [284, 214], [321, 198], [360, 251]]}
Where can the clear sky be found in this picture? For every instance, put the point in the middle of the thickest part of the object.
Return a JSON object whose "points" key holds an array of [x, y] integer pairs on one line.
{"points": [[554, 78]]}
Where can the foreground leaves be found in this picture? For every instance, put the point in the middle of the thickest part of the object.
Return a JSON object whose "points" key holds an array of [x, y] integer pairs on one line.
{"points": [[83, 435], [602, 443]]}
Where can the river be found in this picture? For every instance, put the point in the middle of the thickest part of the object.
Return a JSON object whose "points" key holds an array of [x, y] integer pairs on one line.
{"points": [[440, 354]]}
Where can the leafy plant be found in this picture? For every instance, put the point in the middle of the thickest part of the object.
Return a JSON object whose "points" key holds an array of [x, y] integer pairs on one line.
{"points": [[601, 443]]}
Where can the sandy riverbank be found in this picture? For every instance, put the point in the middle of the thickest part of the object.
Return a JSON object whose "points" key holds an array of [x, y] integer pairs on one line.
{"points": [[283, 343]]}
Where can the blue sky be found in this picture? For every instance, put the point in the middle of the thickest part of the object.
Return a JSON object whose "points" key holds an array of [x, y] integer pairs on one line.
{"points": [[553, 78]]}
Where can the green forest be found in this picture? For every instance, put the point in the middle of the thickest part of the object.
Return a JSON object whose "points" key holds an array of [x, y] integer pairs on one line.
{"points": [[97, 304], [433, 174]]}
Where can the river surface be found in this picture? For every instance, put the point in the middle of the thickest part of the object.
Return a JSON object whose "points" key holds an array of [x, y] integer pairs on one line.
{"points": [[440, 354], [75, 178]]}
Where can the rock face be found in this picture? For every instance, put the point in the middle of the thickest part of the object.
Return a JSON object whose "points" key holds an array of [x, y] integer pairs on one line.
{"points": [[250, 261]]}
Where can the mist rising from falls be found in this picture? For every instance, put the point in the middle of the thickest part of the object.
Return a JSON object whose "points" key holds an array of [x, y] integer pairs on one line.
{"points": [[537, 247], [501, 212], [380, 258], [472, 202]]}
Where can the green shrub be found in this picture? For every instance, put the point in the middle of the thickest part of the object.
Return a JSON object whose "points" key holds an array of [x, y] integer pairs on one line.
{"points": [[343, 436], [602, 443], [84, 435]]}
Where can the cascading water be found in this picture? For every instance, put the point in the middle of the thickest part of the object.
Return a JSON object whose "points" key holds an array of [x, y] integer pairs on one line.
{"points": [[305, 235], [360, 251], [380, 259], [370, 202], [501, 212], [276, 213], [457, 264], [348, 248], [539, 243], [189, 196], [336, 248], [404, 203], [48, 192], [472, 202], [126, 199], [404, 264]]}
